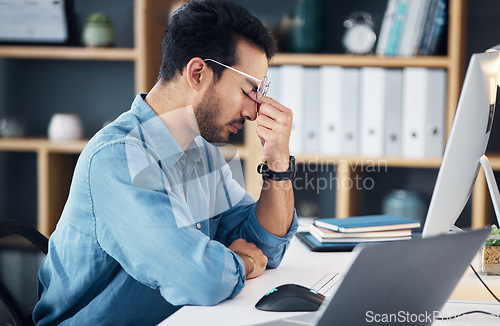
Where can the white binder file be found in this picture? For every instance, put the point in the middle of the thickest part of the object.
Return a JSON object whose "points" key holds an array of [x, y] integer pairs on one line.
{"points": [[393, 108], [435, 115], [311, 102], [350, 111], [424, 93], [330, 110], [372, 111], [273, 74], [414, 89], [291, 92]]}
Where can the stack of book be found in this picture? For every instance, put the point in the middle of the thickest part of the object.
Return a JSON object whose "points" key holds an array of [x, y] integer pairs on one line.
{"points": [[371, 228], [412, 27]]}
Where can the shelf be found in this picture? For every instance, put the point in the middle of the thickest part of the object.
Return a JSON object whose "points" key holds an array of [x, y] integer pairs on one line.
{"points": [[359, 161], [40, 144], [129, 54], [68, 53], [76, 147], [359, 60]]}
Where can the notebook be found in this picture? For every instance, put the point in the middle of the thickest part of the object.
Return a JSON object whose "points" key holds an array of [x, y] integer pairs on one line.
{"points": [[328, 236], [401, 280], [368, 223]]}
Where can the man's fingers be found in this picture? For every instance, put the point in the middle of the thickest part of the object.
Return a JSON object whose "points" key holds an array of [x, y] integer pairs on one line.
{"points": [[267, 100], [253, 96]]}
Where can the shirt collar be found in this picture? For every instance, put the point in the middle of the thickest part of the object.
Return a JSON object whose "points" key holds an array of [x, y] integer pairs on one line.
{"points": [[163, 142]]}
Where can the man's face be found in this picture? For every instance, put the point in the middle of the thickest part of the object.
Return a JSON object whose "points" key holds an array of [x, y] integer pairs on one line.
{"points": [[223, 109]]}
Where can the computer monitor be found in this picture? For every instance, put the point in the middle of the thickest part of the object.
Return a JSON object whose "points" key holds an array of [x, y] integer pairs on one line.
{"points": [[466, 145]]}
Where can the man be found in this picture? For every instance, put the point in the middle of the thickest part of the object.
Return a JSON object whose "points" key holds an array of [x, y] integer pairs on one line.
{"points": [[154, 219]]}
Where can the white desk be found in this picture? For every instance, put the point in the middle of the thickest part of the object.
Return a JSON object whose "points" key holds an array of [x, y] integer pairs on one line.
{"points": [[301, 266]]}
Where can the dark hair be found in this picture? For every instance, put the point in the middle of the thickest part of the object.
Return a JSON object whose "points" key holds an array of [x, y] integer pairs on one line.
{"points": [[210, 29]]}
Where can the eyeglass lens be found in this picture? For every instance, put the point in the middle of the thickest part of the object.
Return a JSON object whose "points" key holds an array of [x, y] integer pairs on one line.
{"points": [[263, 88]]}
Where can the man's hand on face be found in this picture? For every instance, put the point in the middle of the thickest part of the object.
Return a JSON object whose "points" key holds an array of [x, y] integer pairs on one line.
{"points": [[274, 124], [254, 260]]}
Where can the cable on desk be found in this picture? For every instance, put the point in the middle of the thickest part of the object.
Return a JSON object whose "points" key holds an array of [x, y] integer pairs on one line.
{"points": [[486, 286], [321, 279], [328, 282], [468, 313], [475, 311]]}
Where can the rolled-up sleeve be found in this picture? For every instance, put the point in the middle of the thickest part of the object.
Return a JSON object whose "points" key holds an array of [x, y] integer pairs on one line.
{"points": [[240, 221]]}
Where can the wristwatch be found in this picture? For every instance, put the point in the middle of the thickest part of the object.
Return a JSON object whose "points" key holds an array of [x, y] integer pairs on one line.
{"points": [[289, 174]]}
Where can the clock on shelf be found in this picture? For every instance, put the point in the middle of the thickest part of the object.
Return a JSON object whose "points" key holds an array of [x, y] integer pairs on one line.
{"points": [[359, 35]]}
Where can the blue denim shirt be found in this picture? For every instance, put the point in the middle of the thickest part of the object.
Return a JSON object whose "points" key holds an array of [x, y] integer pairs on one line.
{"points": [[145, 229]]}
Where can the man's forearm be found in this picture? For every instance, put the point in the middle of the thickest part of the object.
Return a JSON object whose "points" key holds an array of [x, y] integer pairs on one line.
{"points": [[275, 206]]}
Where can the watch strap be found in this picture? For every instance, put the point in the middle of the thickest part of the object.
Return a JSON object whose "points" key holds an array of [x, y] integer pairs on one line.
{"points": [[267, 173]]}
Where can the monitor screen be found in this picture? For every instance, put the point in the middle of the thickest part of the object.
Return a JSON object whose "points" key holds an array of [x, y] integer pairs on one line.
{"points": [[466, 144]]}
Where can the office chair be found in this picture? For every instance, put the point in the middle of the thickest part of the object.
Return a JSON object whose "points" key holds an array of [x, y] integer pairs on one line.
{"points": [[19, 264]]}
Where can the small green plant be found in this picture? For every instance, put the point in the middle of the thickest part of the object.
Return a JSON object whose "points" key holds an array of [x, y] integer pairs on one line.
{"points": [[99, 18], [98, 31], [494, 242]]}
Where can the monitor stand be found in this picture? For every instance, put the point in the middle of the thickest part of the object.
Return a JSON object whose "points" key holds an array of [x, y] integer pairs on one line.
{"points": [[492, 185]]}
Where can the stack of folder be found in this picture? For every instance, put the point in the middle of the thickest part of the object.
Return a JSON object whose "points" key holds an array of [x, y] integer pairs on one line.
{"points": [[367, 111], [371, 228]]}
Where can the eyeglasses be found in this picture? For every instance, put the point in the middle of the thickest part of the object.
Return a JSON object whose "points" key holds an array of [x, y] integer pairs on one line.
{"points": [[264, 83]]}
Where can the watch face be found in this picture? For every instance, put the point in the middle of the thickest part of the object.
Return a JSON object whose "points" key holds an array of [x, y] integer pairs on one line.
{"points": [[359, 39]]}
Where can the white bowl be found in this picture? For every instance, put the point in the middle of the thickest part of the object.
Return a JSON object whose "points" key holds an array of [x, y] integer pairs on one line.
{"points": [[65, 126]]}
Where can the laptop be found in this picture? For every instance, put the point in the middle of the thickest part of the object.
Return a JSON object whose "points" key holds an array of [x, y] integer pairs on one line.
{"points": [[397, 283]]}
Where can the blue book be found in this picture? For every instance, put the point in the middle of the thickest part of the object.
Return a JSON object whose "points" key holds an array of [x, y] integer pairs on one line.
{"points": [[396, 31], [437, 33], [423, 47], [368, 223]]}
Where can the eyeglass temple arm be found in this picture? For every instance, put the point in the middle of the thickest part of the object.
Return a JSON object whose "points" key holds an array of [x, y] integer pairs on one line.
{"points": [[235, 70]]}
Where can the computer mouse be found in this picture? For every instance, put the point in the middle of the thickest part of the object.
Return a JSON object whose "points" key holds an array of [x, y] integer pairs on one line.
{"points": [[290, 297]]}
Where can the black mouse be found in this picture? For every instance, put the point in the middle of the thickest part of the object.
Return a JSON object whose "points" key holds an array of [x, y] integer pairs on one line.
{"points": [[290, 297]]}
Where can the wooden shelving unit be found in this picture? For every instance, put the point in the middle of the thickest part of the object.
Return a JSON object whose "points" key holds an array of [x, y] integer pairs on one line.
{"points": [[41, 144], [54, 171], [68, 53], [358, 60], [56, 160], [364, 161], [76, 147], [453, 62], [55, 168]]}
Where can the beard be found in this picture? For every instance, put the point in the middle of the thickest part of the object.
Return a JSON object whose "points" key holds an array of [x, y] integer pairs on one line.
{"points": [[206, 114]]}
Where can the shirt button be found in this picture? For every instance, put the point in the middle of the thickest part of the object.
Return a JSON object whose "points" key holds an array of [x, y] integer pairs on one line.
{"points": [[198, 226]]}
